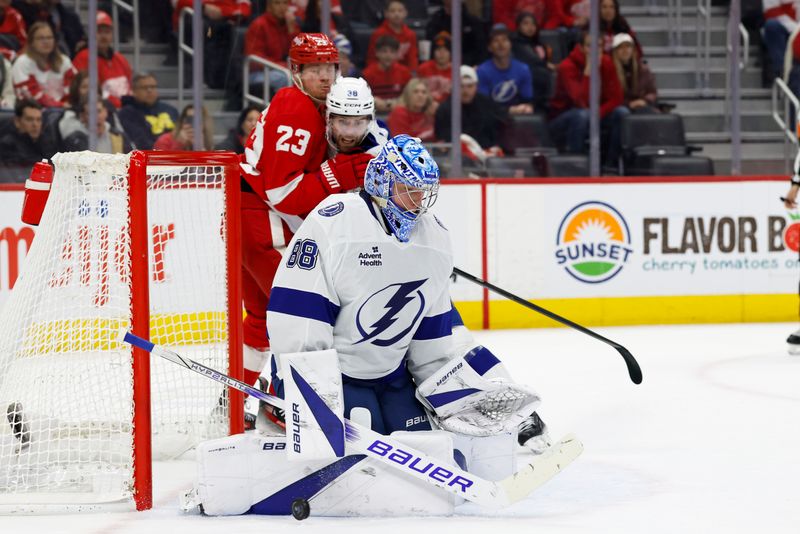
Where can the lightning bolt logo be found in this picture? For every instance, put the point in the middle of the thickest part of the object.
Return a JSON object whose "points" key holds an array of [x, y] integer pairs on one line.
{"points": [[404, 294]]}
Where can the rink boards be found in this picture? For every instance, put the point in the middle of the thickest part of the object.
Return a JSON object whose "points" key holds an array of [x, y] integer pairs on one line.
{"points": [[600, 251]]}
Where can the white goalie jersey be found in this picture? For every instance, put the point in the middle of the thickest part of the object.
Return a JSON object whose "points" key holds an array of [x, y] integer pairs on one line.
{"points": [[347, 283]]}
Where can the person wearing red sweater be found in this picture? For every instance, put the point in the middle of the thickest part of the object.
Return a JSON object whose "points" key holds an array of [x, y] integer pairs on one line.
{"points": [[113, 70], [12, 28], [437, 72], [387, 77], [394, 24], [286, 172], [415, 111], [269, 37], [550, 13], [215, 10], [569, 107]]}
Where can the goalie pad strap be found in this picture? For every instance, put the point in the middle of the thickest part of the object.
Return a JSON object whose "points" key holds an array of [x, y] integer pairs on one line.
{"points": [[481, 359]]}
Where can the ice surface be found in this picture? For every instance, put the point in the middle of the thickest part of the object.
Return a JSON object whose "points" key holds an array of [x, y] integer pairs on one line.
{"points": [[710, 442]]}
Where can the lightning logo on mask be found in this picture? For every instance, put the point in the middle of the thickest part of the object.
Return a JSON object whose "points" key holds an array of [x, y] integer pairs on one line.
{"points": [[390, 314]]}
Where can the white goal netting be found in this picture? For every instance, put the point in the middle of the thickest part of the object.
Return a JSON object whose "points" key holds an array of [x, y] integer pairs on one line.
{"points": [[66, 382]]}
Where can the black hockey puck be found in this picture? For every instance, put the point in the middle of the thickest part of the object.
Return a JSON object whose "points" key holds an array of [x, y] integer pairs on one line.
{"points": [[300, 509]]}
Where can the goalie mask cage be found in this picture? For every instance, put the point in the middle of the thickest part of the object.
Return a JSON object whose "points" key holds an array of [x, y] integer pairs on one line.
{"points": [[147, 241]]}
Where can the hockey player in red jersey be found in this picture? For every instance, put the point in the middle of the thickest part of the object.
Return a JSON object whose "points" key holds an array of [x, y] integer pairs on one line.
{"points": [[285, 175]]}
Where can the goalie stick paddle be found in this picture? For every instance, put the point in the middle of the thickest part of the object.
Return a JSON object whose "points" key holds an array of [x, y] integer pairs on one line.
{"points": [[385, 449], [634, 371]]}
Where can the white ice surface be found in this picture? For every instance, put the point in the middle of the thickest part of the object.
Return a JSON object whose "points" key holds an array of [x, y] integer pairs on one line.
{"points": [[710, 443]]}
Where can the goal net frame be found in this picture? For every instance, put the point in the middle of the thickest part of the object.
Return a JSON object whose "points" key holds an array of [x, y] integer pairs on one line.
{"points": [[139, 280]]}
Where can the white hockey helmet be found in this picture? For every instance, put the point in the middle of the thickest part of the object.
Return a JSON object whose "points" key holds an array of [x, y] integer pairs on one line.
{"points": [[350, 110], [351, 97]]}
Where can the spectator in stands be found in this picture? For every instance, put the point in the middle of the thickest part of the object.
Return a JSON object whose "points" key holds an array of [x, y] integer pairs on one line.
{"points": [[78, 92], [244, 125], [13, 34], [182, 137], [144, 117], [780, 21], [793, 76], [42, 73], [26, 144], [473, 32], [220, 19], [579, 9], [113, 70], [506, 80], [481, 117], [569, 107], [7, 97], [64, 21], [550, 13], [437, 72], [386, 77], [346, 67], [235, 11], [414, 112], [339, 24], [525, 47], [637, 82], [74, 129], [394, 24], [367, 12], [612, 23], [269, 37]]}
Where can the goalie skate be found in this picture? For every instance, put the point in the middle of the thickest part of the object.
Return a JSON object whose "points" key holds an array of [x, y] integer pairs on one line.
{"points": [[19, 427], [533, 434]]}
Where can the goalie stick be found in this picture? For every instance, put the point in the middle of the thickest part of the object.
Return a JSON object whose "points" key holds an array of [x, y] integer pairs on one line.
{"points": [[385, 449], [634, 371]]}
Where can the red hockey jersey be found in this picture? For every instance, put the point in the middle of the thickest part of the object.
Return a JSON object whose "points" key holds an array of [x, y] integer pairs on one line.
{"points": [[282, 156], [114, 74]]}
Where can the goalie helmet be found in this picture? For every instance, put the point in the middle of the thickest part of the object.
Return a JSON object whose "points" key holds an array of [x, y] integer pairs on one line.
{"points": [[350, 101], [404, 179]]}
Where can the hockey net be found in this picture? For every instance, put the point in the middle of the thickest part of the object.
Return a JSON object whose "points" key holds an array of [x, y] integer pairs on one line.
{"points": [[147, 242]]}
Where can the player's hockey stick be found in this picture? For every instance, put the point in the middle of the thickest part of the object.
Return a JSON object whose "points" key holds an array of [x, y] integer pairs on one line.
{"points": [[634, 370], [362, 440]]}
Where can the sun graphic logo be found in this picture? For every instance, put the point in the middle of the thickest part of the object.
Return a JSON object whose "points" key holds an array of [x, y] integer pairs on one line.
{"points": [[593, 242]]}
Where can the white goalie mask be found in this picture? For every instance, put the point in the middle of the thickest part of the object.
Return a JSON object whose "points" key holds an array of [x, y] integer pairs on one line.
{"points": [[350, 110]]}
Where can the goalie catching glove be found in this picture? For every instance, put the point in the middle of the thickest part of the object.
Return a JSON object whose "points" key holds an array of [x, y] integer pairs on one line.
{"points": [[476, 396]]}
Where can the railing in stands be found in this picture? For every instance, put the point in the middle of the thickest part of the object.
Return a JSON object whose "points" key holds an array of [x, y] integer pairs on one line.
{"points": [[133, 9], [674, 23], [267, 66], [785, 110], [703, 48], [744, 55], [183, 48]]}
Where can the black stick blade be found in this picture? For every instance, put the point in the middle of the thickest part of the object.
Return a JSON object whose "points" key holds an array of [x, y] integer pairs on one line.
{"points": [[634, 370]]}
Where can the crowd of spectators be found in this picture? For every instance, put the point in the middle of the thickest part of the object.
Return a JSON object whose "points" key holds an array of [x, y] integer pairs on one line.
{"points": [[508, 70]]}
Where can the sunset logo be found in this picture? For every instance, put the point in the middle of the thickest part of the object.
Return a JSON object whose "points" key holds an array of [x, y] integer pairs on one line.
{"points": [[593, 242]]}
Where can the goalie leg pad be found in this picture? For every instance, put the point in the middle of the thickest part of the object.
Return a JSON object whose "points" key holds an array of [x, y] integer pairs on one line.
{"points": [[489, 457], [314, 407], [247, 474]]}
